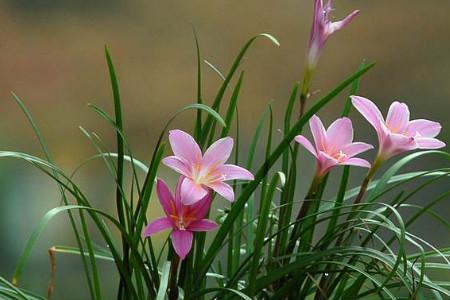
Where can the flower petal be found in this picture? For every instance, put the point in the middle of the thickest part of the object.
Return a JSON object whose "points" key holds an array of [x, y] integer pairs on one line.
{"points": [[429, 143], [335, 26], [325, 162], [190, 192], [398, 117], [231, 172], [200, 209], [339, 133], [369, 111], [182, 242], [177, 164], [355, 161], [184, 146], [354, 149], [306, 143], [223, 190], [394, 144], [202, 225], [165, 197], [318, 132], [424, 128], [218, 153], [157, 226]]}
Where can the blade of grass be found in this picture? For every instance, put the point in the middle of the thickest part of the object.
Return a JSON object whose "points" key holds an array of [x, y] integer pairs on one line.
{"points": [[94, 290], [261, 230], [218, 99]]}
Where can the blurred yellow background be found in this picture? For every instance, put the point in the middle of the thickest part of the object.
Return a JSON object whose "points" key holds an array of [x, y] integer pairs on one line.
{"points": [[51, 55]]}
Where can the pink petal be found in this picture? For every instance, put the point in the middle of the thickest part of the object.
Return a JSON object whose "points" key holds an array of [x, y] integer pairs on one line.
{"points": [[306, 143], [398, 117], [369, 111], [223, 190], [394, 144], [339, 133], [190, 192], [354, 161], [424, 128], [335, 26], [429, 143], [157, 226], [231, 172], [354, 149], [178, 203], [165, 197], [325, 163], [202, 225], [318, 132], [182, 242], [218, 153], [184, 146], [201, 208], [178, 164]]}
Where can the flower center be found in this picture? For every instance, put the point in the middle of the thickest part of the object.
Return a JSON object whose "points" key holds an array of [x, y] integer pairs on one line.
{"points": [[206, 175], [182, 222], [340, 156]]}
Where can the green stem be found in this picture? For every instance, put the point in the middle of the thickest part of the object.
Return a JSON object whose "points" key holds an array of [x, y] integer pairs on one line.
{"points": [[362, 191], [310, 197], [304, 95], [173, 290]]}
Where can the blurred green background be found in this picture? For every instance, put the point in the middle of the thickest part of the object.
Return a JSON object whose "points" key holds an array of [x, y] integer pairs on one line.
{"points": [[51, 55]]}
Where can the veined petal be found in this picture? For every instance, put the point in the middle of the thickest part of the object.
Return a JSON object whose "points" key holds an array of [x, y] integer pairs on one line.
{"points": [[202, 225], [355, 161], [398, 117], [184, 146], [424, 128], [223, 190], [182, 242], [191, 192], [306, 143], [354, 149], [157, 226], [178, 164], [218, 153], [165, 197], [429, 143], [231, 172], [369, 111], [339, 133], [318, 132]]}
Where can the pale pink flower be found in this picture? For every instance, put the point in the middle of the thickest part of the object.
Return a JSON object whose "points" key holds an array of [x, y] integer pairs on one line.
{"points": [[182, 219], [397, 133], [322, 28], [334, 146], [203, 171]]}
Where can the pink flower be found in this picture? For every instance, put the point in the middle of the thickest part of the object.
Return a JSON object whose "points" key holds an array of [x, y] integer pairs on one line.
{"points": [[322, 28], [334, 146], [203, 171], [398, 134], [182, 219]]}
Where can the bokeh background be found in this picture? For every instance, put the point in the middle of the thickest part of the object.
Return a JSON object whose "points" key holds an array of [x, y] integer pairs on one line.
{"points": [[51, 55]]}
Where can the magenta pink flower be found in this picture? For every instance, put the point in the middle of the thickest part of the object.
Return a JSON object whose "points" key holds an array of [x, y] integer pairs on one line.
{"points": [[398, 134], [182, 219], [334, 146], [322, 28], [203, 171]]}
